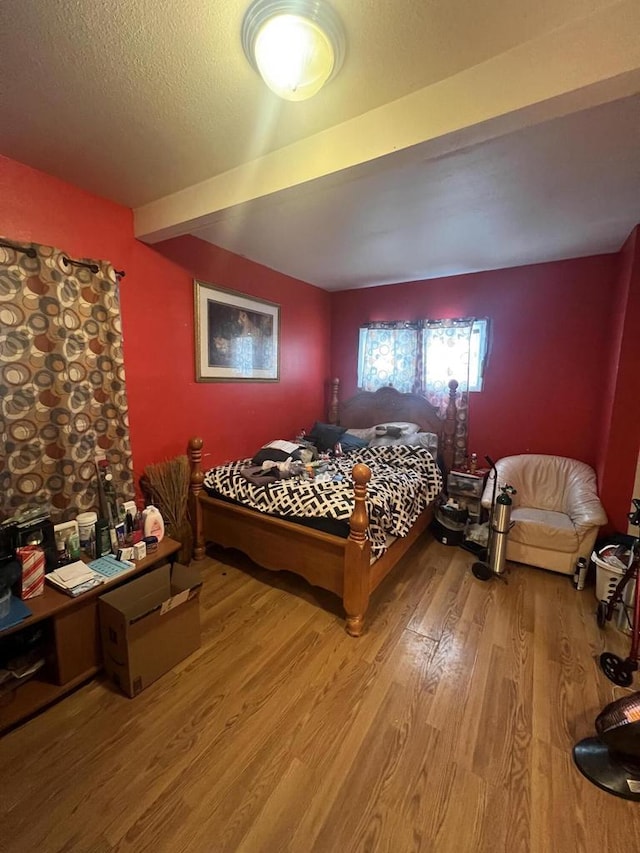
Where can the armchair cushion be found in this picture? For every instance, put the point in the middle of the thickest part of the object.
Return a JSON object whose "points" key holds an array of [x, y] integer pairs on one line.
{"points": [[543, 528]]}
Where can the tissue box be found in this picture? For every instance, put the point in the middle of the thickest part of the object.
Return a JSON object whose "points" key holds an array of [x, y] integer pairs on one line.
{"points": [[31, 581]]}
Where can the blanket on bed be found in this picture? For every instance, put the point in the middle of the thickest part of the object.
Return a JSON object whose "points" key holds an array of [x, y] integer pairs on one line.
{"points": [[404, 480]]}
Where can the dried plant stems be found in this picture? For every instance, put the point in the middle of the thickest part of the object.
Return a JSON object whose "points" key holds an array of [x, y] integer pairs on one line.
{"points": [[168, 483]]}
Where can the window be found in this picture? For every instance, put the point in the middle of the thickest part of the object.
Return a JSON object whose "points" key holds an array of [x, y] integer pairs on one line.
{"points": [[423, 356], [388, 356]]}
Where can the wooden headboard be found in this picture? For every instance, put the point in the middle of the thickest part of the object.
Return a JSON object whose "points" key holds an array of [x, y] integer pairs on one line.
{"points": [[368, 408]]}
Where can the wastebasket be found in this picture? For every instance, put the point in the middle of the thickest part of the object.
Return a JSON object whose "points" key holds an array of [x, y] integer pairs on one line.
{"points": [[607, 578]]}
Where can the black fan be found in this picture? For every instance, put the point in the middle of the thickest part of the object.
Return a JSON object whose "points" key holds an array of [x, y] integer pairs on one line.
{"points": [[612, 760]]}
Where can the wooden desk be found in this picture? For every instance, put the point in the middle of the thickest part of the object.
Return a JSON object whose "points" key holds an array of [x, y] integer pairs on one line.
{"points": [[72, 640]]}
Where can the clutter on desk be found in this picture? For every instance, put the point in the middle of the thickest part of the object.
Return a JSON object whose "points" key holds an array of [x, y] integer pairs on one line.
{"points": [[32, 547], [75, 578], [31, 527], [67, 536]]}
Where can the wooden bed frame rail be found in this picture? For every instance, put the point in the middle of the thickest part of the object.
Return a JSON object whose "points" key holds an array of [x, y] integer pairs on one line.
{"points": [[340, 565]]}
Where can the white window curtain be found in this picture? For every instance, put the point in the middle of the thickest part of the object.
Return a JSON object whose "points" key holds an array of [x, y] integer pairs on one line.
{"points": [[423, 356], [387, 355], [446, 350]]}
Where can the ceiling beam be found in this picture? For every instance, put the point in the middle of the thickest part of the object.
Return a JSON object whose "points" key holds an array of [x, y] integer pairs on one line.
{"points": [[583, 64]]}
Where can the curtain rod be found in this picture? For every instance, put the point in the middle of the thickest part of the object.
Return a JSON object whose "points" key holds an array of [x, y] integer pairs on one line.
{"points": [[90, 266], [30, 252]]}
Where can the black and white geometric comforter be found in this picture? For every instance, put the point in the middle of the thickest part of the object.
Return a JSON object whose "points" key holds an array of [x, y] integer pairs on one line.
{"points": [[404, 480]]}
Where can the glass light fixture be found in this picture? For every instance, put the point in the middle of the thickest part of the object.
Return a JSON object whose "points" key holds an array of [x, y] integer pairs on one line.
{"points": [[295, 45]]}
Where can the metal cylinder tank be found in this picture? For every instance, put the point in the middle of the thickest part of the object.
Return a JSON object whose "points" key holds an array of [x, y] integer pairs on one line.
{"points": [[500, 524]]}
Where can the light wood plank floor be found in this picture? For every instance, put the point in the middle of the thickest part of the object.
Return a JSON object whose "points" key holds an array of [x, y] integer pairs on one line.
{"points": [[447, 727]]}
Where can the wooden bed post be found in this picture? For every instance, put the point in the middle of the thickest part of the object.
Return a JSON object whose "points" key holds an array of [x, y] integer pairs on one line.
{"points": [[332, 414], [195, 510], [357, 583], [449, 430]]}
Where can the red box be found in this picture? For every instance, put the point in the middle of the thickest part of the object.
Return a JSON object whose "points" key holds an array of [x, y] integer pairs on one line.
{"points": [[31, 581]]}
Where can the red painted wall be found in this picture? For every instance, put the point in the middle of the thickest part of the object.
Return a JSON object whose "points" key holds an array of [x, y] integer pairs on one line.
{"points": [[620, 437], [562, 374], [236, 418], [166, 404], [547, 364]]}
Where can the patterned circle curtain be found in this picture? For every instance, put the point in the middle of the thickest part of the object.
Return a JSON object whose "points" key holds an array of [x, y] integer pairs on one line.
{"points": [[63, 401]]}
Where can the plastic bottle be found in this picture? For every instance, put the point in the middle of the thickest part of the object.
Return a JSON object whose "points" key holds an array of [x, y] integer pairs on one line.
{"points": [[87, 532], [151, 543], [580, 574], [103, 541], [73, 545], [153, 523], [113, 538], [61, 548], [138, 528]]}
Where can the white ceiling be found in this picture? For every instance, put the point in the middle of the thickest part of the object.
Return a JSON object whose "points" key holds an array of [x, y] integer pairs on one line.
{"points": [[458, 136]]}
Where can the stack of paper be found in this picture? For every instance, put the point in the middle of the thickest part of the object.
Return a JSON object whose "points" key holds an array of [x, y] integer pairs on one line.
{"points": [[281, 444], [75, 578]]}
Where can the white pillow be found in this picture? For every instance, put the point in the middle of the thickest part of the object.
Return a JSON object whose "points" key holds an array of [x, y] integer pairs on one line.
{"points": [[366, 434], [386, 441], [428, 440], [423, 439], [404, 427]]}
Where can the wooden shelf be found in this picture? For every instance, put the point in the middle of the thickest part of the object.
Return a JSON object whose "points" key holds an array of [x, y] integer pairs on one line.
{"points": [[35, 694], [53, 601], [74, 646]]}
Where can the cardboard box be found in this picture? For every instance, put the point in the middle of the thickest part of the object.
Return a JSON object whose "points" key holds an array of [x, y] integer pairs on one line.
{"points": [[149, 625]]}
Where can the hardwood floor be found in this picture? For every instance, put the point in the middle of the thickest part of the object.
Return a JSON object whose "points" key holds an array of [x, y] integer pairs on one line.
{"points": [[447, 727]]}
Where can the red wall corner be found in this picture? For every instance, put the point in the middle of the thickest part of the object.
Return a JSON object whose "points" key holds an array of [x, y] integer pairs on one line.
{"points": [[620, 429], [546, 369]]}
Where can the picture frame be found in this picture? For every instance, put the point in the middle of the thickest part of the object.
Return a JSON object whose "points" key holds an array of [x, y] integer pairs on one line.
{"points": [[237, 336]]}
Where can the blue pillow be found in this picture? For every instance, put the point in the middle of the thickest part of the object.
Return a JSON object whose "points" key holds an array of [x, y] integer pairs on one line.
{"points": [[349, 443], [325, 436]]}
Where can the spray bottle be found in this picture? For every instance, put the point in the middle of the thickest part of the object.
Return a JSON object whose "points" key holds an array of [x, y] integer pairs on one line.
{"points": [[153, 523]]}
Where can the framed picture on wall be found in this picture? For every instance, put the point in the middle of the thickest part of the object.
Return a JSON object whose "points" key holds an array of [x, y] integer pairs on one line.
{"points": [[237, 336]]}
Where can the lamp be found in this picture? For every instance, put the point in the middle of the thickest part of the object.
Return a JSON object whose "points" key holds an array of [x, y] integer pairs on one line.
{"points": [[295, 45]]}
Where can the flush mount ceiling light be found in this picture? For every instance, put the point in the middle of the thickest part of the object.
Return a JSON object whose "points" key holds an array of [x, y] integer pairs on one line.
{"points": [[295, 45]]}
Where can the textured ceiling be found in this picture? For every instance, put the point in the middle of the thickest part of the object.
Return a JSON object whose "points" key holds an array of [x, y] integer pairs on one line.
{"points": [[135, 99], [458, 135]]}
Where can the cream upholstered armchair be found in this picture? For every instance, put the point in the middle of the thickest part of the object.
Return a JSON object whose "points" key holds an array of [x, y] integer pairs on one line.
{"points": [[556, 512]]}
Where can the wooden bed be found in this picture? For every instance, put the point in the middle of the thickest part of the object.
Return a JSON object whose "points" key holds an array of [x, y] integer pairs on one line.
{"points": [[342, 566]]}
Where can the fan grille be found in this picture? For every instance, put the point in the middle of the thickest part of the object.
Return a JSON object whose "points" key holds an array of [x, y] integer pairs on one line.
{"points": [[619, 713]]}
